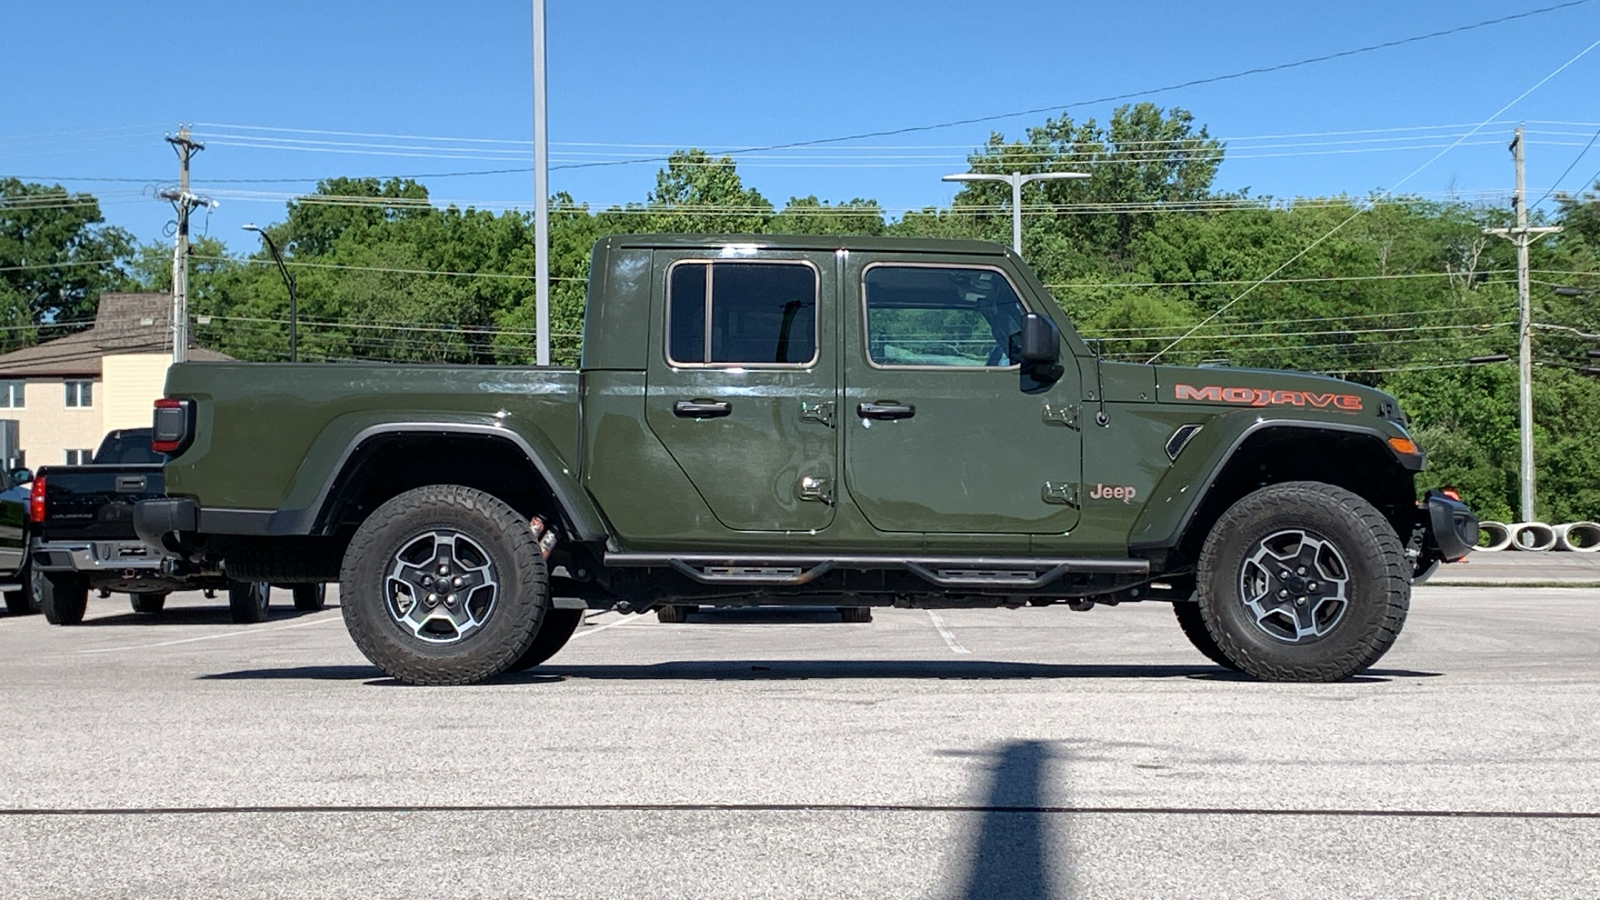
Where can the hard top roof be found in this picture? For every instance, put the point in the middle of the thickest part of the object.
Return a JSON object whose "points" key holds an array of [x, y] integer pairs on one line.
{"points": [[806, 242]]}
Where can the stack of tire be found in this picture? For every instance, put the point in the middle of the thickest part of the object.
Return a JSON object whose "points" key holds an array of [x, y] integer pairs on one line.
{"points": [[1577, 537]]}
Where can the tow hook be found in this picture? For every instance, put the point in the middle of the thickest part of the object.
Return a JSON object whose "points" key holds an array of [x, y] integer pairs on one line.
{"points": [[543, 535]]}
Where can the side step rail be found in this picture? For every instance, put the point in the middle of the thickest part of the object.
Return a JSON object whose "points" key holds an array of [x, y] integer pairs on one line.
{"points": [[1026, 573]]}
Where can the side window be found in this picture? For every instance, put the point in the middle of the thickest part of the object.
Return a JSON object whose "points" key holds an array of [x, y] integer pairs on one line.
{"points": [[940, 316], [79, 394], [12, 394], [741, 313]]}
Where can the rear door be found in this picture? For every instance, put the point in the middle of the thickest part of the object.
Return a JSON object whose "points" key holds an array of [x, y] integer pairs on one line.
{"points": [[944, 433], [742, 386]]}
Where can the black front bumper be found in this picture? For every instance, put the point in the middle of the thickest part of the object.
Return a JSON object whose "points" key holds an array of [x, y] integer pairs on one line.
{"points": [[1450, 530]]}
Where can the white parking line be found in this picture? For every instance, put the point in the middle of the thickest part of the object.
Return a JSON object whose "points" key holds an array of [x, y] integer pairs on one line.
{"points": [[582, 632], [949, 639], [213, 637]]}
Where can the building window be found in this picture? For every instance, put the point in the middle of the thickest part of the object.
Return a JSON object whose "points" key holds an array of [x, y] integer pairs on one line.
{"points": [[80, 394], [79, 457], [11, 394]]}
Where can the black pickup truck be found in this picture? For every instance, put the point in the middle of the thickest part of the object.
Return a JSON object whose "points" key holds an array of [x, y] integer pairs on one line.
{"points": [[83, 538]]}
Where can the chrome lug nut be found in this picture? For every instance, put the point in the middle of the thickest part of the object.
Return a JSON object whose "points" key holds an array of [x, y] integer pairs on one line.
{"points": [[431, 600], [457, 581], [449, 599]]}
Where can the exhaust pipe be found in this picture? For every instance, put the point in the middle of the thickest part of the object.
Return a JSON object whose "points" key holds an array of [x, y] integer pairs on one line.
{"points": [[1493, 536], [1534, 536], [1580, 537]]}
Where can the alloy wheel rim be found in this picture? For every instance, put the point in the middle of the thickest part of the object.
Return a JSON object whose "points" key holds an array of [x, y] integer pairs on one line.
{"points": [[441, 586], [1294, 586]]}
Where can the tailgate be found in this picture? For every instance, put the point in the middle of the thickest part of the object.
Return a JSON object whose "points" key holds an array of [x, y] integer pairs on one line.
{"points": [[86, 503]]}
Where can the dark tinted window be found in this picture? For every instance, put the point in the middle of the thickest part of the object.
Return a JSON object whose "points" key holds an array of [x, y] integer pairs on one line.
{"points": [[934, 316], [760, 313], [128, 446]]}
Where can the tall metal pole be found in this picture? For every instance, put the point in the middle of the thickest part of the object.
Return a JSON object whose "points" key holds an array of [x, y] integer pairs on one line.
{"points": [[1016, 180], [1523, 236], [1016, 212], [541, 190]]}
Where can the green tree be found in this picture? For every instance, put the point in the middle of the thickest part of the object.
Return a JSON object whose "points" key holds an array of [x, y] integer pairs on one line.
{"points": [[56, 256]]}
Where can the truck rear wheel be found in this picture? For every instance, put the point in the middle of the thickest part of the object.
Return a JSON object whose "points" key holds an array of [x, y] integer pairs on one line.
{"points": [[63, 596], [1303, 581], [309, 597], [556, 630], [147, 603], [248, 601], [444, 584]]}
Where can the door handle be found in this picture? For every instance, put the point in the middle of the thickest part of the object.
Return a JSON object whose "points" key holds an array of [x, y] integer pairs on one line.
{"points": [[886, 409], [700, 408]]}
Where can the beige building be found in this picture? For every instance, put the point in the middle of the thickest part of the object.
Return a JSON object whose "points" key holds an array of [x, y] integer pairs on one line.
{"points": [[67, 393]]}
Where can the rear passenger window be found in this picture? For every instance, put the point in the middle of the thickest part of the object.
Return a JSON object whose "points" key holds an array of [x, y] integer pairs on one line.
{"points": [[742, 313]]}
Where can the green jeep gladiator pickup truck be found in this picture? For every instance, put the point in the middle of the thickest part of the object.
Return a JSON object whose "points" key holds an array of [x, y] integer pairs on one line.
{"points": [[848, 421]]}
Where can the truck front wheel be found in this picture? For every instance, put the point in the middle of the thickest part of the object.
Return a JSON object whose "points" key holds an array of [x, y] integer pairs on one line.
{"points": [[1303, 581], [63, 596], [444, 585]]}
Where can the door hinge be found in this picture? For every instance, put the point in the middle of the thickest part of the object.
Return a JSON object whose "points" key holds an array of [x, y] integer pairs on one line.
{"points": [[821, 413], [816, 489], [1061, 414], [1062, 492]]}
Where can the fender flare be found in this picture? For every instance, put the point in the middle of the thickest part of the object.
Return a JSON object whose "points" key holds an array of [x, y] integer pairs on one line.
{"points": [[1166, 539]]}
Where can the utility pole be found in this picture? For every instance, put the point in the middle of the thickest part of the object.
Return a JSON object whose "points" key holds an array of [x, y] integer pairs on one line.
{"points": [[1522, 236], [184, 202]]}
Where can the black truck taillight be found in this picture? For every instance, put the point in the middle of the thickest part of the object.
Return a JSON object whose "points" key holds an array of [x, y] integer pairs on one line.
{"points": [[173, 425], [36, 501]]}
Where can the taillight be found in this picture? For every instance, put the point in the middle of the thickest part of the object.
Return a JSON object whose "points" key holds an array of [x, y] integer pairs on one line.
{"points": [[170, 426], [36, 501], [1452, 493]]}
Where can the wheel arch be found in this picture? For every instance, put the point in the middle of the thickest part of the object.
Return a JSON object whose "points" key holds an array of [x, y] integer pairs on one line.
{"points": [[385, 460], [1355, 457]]}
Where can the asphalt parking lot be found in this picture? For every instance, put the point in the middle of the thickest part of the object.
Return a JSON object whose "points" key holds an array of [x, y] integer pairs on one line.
{"points": [[782, 753]]}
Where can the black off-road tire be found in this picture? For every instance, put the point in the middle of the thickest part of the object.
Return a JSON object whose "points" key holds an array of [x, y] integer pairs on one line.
{"points": [[674, 615], [1375, 586], [248, 601], [309, 597], [557, 628], [63, 596], [149, 604], [855, 614], [507, 630], [23, 601], [1194, 628]]}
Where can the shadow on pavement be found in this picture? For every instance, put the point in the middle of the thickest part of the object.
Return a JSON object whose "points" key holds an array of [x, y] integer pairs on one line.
{"points": [[190, 615], [1010, 855], [781, 670], [764, 615]]}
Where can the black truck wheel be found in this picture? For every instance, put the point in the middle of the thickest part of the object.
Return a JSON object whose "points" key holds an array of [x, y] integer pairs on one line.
{"points": [[674, 615], [63, 596], [444, 585], [23, 601], [1303, 581], [248, 601], [147, 603], [557, 628], [310, 597], [855, 614], [1194, 628]]}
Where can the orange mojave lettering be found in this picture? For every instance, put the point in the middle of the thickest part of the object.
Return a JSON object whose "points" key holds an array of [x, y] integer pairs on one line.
{"points": [[1265, 397]]}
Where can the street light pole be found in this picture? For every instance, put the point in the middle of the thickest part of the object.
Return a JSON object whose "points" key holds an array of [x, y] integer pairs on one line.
{"points": [[288, 279], [1016, 180]]}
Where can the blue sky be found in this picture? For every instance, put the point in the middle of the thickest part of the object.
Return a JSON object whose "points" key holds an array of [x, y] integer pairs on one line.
{"points": [[289, 92]]}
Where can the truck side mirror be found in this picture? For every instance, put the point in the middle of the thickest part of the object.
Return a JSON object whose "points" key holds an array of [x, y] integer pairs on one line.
{"points": [[1039, 342], [21, 476]]}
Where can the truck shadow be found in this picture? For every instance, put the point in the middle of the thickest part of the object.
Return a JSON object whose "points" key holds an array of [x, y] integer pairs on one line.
{"points": [[185, 615], [788, 670]]}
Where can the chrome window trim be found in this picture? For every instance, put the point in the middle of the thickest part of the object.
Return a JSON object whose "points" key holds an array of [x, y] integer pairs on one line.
{"points": [[866, 333], [711, 263]]}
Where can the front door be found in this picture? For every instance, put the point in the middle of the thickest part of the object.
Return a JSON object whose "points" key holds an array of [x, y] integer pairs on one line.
{"points": [[944, 433], [742, 387]]}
